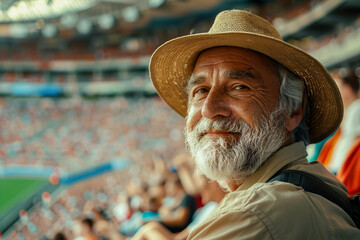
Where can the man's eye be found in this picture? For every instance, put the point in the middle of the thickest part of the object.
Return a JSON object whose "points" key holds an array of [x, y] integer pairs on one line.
{"points": [[240, 87], [201, 90]]}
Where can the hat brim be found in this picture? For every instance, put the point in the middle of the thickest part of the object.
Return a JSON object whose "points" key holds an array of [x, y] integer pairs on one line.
{"points": [[172, 64]]}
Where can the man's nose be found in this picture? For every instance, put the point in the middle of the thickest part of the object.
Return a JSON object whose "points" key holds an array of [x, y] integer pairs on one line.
{"points": [[215, 106]]}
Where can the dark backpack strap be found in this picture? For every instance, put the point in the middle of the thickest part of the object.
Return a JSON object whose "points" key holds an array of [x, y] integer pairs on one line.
{"points": [[314, 185], [355, 203]]}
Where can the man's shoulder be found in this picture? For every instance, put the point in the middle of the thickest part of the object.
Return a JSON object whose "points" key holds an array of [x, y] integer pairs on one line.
{"points": [[263, 211], [265, 197], [271, 210]]}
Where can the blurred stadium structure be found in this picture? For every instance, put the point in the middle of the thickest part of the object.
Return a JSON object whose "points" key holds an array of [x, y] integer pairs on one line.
{"points": [[76, 101]]}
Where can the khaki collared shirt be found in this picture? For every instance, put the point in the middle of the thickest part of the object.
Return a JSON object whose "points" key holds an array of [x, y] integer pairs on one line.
{"points": [[279, 210]]}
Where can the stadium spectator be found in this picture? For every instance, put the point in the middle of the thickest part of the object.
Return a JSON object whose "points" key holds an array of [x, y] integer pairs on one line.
{"points": [[122, 210], [211, 195], [185, 168], [59, 236], [188, 174], [177, 215], [341, 153], [247, 118], [177, 211], [87, 231]]}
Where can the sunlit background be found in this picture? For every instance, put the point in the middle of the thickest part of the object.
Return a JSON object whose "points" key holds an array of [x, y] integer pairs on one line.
{"points": [[79, 117]]}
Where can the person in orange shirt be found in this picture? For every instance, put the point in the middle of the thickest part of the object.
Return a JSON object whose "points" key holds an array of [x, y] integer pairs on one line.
{"points": [[341, 153]]}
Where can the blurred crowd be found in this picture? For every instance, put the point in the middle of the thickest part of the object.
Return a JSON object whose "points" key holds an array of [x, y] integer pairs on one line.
{"points": [[74, 135], [165, 201], [337, 38], [80, 51]]}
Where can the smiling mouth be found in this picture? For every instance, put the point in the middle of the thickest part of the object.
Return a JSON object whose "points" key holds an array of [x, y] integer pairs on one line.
{"points": [[216, 134]]}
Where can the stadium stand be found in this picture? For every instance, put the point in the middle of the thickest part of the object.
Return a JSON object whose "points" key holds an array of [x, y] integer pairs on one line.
{"points": [[78, 110]]}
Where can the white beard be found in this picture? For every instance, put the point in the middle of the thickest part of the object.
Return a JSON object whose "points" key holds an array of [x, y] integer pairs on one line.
{"points": [[232, 160]]}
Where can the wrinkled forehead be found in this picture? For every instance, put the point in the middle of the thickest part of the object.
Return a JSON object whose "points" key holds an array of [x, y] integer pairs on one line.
{"points": [[211, 55]]}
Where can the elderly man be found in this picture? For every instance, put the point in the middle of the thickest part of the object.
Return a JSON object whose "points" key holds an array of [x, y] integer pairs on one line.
{"points": [[252, 103]]}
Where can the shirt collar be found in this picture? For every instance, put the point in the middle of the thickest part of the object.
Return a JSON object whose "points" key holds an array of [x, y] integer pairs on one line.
{"points": [[277, 161]]}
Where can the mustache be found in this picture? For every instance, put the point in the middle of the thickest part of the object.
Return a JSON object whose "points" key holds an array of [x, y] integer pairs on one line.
{"points": [[228, 125]]}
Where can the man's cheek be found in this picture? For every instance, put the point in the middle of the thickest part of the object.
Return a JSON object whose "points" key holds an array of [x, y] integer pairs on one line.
{"points": [[192, 118]]}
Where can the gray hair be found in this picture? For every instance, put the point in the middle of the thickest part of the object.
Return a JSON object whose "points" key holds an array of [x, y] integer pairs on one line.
{"points": [[292, 94]]}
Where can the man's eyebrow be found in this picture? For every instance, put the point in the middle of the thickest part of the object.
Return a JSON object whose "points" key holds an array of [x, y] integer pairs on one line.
{"points": [[195, 80], [238, 74]]}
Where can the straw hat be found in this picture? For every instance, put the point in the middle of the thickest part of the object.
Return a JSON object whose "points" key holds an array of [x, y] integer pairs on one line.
{"points": [[172, 64]]}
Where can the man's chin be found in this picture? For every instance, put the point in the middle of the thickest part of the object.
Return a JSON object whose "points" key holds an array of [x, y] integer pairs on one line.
{"points": [[222, 176]]}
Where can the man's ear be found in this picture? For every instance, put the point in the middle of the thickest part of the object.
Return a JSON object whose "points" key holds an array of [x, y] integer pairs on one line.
{"points": [[295, 118]]}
